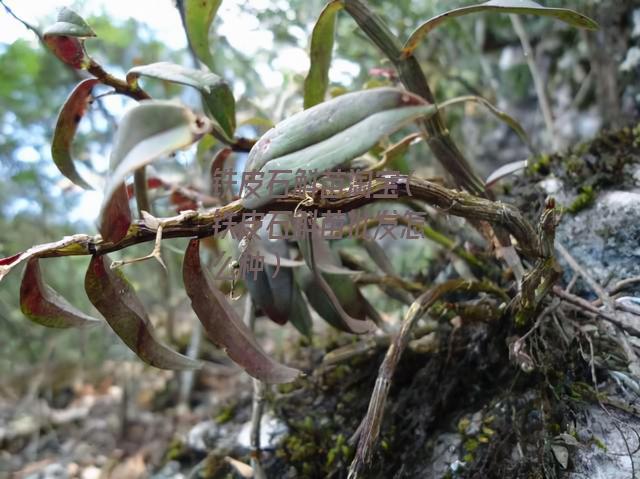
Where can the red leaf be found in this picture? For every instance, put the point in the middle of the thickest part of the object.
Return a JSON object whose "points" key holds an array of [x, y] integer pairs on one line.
{"points": [[116, 300], [115, 217], [223, 326], [152, 184], [72, 112], [68, 49], [10, 259], [43, 305], [181, 202]]}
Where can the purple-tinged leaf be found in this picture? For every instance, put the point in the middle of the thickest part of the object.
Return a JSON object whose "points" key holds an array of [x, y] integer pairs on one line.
{"points": [[66, 37], [115, 217], [68, 246], [223, 326], [43, 305], [522, 7], [68, 119], [322, 38], [116, 300]]}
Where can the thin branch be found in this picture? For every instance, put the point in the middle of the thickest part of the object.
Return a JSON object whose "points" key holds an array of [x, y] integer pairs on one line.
{"points": [[27, 25], [585, 305], [593, 284]]}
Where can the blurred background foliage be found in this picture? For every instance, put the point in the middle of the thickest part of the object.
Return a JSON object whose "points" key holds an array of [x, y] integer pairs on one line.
{"points": [[473, 55]]}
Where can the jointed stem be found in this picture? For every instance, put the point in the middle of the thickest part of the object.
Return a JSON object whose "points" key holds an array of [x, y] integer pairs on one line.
{"points": [[209, 222]]}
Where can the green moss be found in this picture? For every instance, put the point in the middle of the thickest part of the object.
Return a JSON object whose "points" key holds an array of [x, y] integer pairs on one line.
{"points": [[574, 165], [585, 198], [540, 165], [175, 450], [636, 135], [463, 425], [226, 413], [599, 444], [470, 445]]}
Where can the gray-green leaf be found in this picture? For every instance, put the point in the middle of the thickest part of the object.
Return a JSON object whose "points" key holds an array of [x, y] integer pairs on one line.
{"points": [[148, 131], [500, 6], [215, 91]]}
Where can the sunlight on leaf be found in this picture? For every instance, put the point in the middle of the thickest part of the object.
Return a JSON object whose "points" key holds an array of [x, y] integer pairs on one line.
{"points": [[499, 6], [325, 120], [198, 15], [114, 297], [215, 91], [42, 304], [223, 326]]}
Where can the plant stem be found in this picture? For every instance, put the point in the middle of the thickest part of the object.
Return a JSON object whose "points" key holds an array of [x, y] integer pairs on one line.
{"points": [[216, 221]]}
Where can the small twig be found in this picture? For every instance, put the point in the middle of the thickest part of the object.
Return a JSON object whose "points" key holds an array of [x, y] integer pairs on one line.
{"points": [[572, 282], [587, 306], [155, 253], [537, 79], [257, 404], [593, 284], [624, 284], [27, 25], [545, 313]]}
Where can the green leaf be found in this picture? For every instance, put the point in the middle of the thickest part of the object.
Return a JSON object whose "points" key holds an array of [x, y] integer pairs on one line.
{"points": [[324, 121], [322, 38], [198, 16], [68, 120], [499, 114], [334, 151], [148, 131], [65, 38], [215, 91], [43, 305], [272, 295], [69, 23], [499, 6], [223, 326], [333, 295], [116, 300], [300, 315]]}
